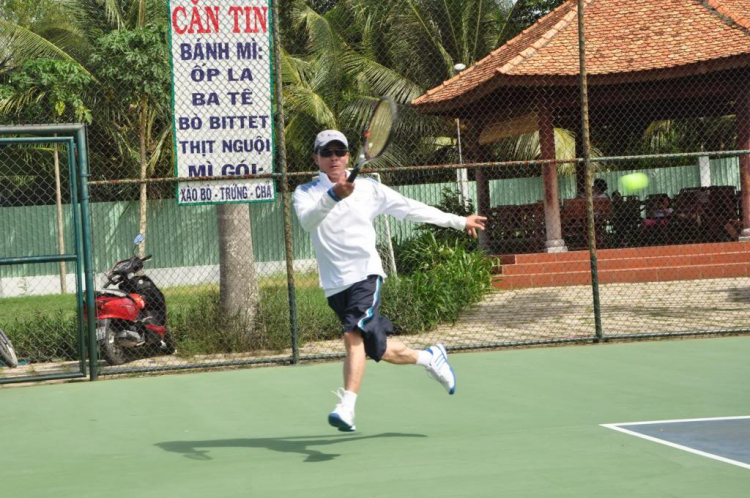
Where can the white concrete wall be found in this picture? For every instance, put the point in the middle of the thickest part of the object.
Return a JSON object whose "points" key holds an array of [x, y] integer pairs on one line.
{"points": [[163, 277]]}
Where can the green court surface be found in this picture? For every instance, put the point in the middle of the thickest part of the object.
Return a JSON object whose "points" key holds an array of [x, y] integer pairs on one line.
{"points": [[523, 423]]}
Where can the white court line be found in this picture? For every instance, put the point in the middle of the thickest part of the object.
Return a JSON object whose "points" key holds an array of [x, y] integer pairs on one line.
{"points": [[616, 427], [677, 420]]}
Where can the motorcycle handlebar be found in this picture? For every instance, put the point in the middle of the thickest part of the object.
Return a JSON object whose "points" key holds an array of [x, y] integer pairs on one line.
{"points": [[135, 264]]}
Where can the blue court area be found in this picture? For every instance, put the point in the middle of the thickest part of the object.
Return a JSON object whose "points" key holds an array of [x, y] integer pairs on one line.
{"points": [[725, 439]]}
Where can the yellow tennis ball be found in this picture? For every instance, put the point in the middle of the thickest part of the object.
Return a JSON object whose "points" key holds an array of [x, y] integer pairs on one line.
{"points": [[634, 181]]}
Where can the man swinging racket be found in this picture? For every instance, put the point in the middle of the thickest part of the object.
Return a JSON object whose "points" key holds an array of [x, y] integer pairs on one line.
{"points": [[339, 216]]}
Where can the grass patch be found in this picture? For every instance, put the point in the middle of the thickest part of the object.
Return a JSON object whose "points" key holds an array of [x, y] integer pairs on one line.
{"points": [[27, 308]]}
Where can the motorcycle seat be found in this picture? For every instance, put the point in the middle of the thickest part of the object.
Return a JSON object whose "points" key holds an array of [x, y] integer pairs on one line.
{"points": [[112, 292]]}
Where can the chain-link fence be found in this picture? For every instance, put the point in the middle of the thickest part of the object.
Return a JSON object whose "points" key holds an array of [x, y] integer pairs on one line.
{"points": [[642, 145]]}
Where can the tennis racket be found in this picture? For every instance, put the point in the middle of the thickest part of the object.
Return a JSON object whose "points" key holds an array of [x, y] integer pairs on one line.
{"points": [[377, 135]]}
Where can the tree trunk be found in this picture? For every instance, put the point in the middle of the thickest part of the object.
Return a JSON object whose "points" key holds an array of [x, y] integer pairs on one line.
{"points": [[238, 279], [144, 164], [60, 224]]}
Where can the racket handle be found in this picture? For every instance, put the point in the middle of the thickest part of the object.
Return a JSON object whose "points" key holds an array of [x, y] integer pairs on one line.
{"points": [[353, 174]]}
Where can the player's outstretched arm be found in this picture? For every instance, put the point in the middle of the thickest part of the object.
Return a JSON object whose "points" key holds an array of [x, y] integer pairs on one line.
{"points": [[474, 222]]}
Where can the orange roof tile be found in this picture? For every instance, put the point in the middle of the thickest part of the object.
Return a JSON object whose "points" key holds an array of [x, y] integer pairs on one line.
{"points": [[622, 37], [737, 11]]}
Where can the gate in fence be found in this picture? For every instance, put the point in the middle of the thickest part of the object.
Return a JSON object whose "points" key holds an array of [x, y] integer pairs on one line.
{"points": [[41, 166]]}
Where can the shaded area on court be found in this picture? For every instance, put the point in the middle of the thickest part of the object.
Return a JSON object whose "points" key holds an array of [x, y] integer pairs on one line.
{"points": [[199, 450]]}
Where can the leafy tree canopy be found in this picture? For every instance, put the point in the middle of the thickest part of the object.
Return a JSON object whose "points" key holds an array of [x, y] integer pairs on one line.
{"points": [[30, 14], [47, 90], [135, 62]]}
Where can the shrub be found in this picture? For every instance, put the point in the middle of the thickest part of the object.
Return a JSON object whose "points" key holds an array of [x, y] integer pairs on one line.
{"points": [[440, 280], [451, 202], [45, 337], [201, 328]]}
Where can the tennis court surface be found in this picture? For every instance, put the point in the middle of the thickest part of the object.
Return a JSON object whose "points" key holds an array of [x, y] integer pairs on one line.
{"points": [[522, 423]]}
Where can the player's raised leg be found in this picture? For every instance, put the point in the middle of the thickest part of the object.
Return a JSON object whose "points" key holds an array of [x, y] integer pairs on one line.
{"points": [[434, 359], [439, 368]]}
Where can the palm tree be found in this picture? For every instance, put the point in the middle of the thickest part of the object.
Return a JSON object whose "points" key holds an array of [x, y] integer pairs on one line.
{"points": [[362, 49], [680, 135]]}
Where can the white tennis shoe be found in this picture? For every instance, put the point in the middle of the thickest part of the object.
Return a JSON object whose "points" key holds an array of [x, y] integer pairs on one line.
{"points": [[440, 370], [342, 417]]}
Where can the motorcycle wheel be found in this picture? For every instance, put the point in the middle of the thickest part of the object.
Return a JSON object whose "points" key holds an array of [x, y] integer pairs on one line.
{"points": [[109, 348], [7, 353]]}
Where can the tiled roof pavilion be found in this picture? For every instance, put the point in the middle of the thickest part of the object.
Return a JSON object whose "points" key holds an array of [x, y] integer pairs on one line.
{"points": [[626, 41], [653, 59]]}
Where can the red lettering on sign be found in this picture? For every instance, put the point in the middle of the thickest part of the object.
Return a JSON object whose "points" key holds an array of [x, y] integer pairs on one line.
{"points": [[178, 29], [255, 19], [235, 12]]}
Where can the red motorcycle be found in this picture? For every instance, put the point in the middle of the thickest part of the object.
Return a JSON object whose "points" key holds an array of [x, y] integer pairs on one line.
{"points": [[135, 316]]}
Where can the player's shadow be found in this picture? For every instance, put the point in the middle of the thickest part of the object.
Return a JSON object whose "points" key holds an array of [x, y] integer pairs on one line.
{"points": [[198, 450]]}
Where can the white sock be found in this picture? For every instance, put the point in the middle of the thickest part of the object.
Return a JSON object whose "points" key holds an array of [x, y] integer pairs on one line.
{"points": [[350, 399], [424, 358]]}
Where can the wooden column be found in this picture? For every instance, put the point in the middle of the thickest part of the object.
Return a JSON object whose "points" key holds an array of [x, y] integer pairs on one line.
{"points": [[555, 242], [742, 110], [476, 153]]}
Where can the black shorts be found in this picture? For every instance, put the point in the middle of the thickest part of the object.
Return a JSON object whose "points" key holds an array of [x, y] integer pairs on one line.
{"points": [[357, 309]]}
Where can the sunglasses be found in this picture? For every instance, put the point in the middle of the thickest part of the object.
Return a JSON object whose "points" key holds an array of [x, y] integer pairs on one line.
{"points": [[330, 152]]}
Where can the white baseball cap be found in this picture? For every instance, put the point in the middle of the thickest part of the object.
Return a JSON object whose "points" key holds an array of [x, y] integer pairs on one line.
{"points": [[327, 136]]}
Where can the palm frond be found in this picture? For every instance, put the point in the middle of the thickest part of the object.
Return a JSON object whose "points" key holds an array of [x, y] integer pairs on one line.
{"points": [[294, 71], [322, 40], [16, 103], [113, 13], [305, 101], [421, 26], [377, 79], [26, 45]]}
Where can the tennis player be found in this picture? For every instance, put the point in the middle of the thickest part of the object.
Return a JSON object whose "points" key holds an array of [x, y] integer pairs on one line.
{"points": [[339, 217]]}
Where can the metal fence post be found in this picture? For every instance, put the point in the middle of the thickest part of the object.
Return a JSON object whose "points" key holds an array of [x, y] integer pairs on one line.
{"points": [[73, 172], [281, 158], [83, 173], [585, 138]]}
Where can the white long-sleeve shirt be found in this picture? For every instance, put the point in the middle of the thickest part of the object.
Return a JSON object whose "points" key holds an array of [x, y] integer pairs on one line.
{"points": [[343, 233]]}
